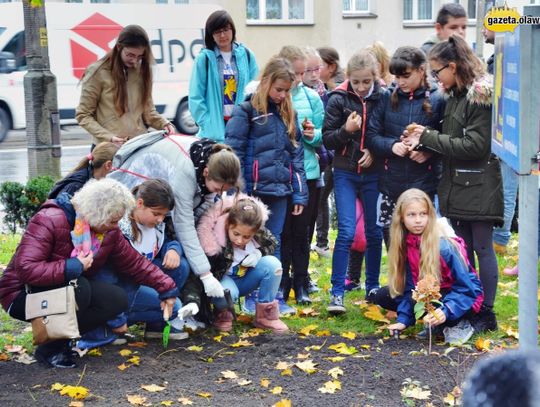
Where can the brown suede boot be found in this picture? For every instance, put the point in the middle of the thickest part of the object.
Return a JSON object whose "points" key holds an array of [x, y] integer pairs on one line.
{"points": [[267, 317], [223, 320]]}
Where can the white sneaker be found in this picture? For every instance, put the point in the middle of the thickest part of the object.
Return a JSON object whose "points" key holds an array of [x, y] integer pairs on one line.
{"points": [[321, 251], [458, 334]]}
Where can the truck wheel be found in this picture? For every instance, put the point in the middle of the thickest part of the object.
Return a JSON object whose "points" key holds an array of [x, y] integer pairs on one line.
{"points": [[5, 124], [184, 122]]}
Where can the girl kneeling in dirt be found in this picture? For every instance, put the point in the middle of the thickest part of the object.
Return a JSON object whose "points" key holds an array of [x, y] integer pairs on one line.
{"points": [[240, 250], [422, 247]]}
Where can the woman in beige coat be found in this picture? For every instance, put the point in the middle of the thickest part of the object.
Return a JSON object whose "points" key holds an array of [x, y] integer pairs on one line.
{"points": [[116, 99]]}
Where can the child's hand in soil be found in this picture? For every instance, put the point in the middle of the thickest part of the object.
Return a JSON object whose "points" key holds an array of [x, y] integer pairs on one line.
{"points": [[435, 318], [171, 260], [398, 326]]}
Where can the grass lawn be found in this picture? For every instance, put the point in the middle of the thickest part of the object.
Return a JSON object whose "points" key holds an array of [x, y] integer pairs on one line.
{"points": [[506, 306]]}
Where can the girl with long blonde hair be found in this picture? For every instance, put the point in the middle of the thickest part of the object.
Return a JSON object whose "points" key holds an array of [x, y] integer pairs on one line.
{"points": [[423, 247]]}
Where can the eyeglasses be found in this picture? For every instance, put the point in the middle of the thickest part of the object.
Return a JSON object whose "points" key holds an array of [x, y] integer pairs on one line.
{"points": [[130, 55], [222, 31], [311, 70], [435, 74]]}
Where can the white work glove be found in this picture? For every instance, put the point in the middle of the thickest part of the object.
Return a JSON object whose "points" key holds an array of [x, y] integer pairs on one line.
{"points": [[212, 286], [252, 259], [188, 310]]}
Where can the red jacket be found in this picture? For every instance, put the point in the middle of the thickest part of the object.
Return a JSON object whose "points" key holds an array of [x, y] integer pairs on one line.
{"points": [[43, 256]]}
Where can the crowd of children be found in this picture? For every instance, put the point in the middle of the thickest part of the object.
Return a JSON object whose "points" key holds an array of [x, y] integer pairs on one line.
{"points": [[383, 135]]}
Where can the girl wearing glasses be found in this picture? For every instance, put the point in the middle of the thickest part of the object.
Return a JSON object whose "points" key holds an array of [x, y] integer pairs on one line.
{"points": [[470, 190], [220, 74], [116, 98], [410, 100]]}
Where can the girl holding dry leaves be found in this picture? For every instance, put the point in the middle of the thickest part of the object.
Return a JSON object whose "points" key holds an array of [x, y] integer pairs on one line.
{"points": [[423, 249]]}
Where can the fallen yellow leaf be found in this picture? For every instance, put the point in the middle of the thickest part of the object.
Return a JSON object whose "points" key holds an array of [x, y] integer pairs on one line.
{"points": [[136, 360], [254, 332], [125, 352], [483, 344], [349, 335], [335, 372], [75, 392], [152, 388], [324, 332], [374, 313], [415, 392], [302, 356], [243, 318], [243, 382], [313, 347], [343, 349], [185, 401], [286, 372], [229, 374], [57, 386], [242, 343], [76, 403], [283, 403], [136, 400], [94, 352], [195, 348], [307, 366], [123, 366], [306, 331], [335, 359], [204, 395], [167, 403], [218, 338], [137, 344], [308, 312], [265, 383], [282, 365], [276, 390], [330, 387]]}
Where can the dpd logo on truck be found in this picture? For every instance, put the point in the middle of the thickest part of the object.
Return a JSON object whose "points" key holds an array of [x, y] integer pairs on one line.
{"points": [[94, 42]]}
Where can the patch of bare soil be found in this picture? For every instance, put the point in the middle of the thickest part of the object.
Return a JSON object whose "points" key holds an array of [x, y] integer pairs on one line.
{"points": [[371, 377]]}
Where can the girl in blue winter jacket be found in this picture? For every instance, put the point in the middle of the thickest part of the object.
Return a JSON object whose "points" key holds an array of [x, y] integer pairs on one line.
{"points": [[410, 100], [425, 249], [296, 232], [265, 135], [220, 73]]}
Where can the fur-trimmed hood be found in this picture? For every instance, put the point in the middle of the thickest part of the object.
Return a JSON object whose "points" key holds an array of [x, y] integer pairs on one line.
{"points": [[480, 92], [211, 227]]}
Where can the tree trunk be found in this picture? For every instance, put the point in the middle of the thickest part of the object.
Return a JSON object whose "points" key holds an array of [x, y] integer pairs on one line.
{"points": [[40, 100]]}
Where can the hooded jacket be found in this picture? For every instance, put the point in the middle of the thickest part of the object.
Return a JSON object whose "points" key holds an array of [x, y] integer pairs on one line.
{"points": [[341, 103], [212, 231], [386, 125], [206, 89], [43, 256], [471, 185], [98, 116]]}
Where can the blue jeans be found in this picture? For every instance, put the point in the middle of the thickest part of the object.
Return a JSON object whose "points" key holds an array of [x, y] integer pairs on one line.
{"points": [[501, 235], [347, 186], [278, 211], [265, 276]]}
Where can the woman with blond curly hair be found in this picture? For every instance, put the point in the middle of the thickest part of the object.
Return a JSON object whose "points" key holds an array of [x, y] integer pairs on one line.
{"points": [[71, 239]]}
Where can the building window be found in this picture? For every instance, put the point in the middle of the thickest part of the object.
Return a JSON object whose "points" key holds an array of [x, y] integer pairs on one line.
{"points": [[471, 9], [418, 10], [355, 6], [279, 12]]}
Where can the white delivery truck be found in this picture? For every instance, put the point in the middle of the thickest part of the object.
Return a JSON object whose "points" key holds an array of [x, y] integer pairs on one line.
{"points": [[80, 34]]}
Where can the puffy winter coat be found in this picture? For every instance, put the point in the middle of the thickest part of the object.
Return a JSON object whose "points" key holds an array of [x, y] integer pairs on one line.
{"points": [[471, 185], [308, 104], [341, 103], [98, 116], [458, 279], [43, 256], [271, 165], [386, 125], [206, 88], [212, 231]]}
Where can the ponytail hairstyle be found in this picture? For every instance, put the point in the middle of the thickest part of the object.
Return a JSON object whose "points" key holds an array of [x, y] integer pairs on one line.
{"points": [[456, 50], [361, 60], [224, 166], [292, 53], [277, 68], [245, 211], [101, 153], [330, 57], [383, 58], [429, 245], [155, 193], [410, 58]]}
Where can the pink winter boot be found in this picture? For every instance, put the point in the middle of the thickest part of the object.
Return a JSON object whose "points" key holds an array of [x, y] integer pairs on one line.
{"points": [[267, 317], [511, 271], [223, 320]]}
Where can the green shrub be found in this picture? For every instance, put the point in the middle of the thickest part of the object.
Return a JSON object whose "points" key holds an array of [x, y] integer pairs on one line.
{"points": [[22, 201]]}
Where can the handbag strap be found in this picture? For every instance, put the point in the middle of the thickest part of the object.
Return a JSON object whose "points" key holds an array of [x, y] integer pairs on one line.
{"points": [[28, 287]]}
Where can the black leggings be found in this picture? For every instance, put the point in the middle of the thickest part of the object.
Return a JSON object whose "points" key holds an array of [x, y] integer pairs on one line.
{"points": [[97, 302], [478, 237]]}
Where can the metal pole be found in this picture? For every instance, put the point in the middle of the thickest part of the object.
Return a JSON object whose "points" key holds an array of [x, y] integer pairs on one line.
{"points": [[480, 11]]}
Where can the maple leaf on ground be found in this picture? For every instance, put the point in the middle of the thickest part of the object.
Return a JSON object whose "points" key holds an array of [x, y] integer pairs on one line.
{"points": [[75, 392], [286, 372], [277, 390], [324, 332], [152, 388], [244, 382], [123, 366], [76, 403], [335, 359], [135, 360], [343, 349], [185, 401], [229, 374], [306, 331], [136, 400], [335, 372], [307, 366], [241, 343], [167, 403], [283, 403], [265, 382], [454, 397], [125, 352], [374, 313], [348, 335], [303, 356], [483, 344], [282, 365], [204, 395], [330, 387], [94, 352], [308, 312], [195, 348]]}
